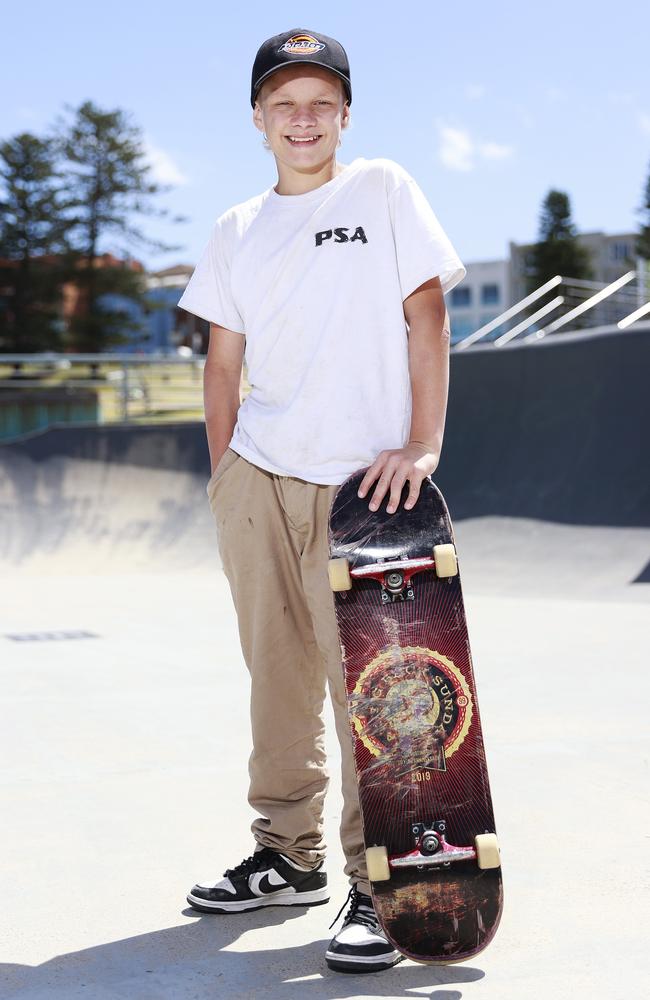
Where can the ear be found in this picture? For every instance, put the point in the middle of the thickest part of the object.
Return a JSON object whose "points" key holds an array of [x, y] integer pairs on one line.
{"points": [[345, 115], [258, 117]]}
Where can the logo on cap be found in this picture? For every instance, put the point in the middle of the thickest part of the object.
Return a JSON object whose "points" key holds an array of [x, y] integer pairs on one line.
{"points": [[302, 45]]}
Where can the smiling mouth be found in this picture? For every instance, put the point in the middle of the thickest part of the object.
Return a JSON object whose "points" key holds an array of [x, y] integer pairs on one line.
{"points": [[303, 140]]}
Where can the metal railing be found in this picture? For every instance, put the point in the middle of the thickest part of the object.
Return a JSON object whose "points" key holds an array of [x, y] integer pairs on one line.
{"points": [[39, 389], [532, 329]]}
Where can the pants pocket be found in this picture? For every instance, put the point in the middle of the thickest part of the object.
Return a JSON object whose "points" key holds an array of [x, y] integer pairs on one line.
{"points": [[226, 462]]}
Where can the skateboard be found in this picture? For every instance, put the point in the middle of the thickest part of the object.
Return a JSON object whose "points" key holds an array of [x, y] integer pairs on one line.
{"points": [[431, 847]]}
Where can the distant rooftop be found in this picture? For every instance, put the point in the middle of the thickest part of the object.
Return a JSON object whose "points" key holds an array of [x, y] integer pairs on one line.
{"points": [[170, 277]]}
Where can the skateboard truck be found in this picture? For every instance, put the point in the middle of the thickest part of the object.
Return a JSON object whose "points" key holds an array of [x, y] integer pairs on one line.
{"points": [[394, 575], [432, 851], [396, 586], [431, 848]]}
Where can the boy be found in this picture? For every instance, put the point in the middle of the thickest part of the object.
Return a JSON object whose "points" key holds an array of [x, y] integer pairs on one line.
{"points": [[332, 283]]}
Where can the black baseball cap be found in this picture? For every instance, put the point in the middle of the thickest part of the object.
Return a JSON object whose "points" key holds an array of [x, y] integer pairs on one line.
{"points": [[299, 46]]}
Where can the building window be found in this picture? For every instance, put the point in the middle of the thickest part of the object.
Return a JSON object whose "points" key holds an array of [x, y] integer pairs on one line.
{"points": [[620, 251], [461, 328], [489, 295], [461, 296]]}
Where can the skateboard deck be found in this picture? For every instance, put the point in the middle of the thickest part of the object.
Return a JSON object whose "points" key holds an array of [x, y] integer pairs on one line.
{"points": [[433, 860]]}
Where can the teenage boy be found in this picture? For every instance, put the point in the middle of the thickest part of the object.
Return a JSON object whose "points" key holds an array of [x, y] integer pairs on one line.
{"points": [[330, 285]]}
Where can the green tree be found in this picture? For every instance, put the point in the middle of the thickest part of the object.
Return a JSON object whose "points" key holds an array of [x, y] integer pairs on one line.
{"points": [[643, 242], [557, 250], [643, 237], [32, 238], [108, 182]]}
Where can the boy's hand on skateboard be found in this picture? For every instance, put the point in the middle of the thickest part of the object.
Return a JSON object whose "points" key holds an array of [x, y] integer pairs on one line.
{"points": [[391, 469]]}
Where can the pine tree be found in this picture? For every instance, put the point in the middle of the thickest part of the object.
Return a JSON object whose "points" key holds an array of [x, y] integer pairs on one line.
{"points": [[32, 234], [108, 182], [643, 238], [557, 250]]}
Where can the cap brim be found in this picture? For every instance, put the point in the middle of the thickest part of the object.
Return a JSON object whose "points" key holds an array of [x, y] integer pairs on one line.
{"points": [[301, 62]]}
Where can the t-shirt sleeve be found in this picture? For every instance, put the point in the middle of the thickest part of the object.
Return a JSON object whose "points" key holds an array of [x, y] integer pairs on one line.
{"points": [[208, 293], [423, 249]]}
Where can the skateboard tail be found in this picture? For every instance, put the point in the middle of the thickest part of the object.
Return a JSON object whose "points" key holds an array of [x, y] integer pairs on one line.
{"points": [[441, 921]]}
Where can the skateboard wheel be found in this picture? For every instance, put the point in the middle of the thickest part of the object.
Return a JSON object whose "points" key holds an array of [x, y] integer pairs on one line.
{"points": [[377, 862], [339, 574], [445, 560], [487, 850]]}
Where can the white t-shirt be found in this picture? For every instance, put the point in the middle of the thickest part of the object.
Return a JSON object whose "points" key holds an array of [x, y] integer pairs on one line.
{"points": [[316, 283]]}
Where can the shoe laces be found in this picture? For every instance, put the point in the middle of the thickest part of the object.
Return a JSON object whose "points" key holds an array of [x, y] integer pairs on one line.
{"points": [[360, 912], [256, 861]]}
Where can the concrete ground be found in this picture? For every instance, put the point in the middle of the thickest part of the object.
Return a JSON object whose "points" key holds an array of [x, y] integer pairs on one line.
{"points": [[123, 764]]}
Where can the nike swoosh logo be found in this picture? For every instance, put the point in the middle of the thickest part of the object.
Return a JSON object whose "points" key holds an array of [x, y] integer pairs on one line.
{"points": [[262, 885]]}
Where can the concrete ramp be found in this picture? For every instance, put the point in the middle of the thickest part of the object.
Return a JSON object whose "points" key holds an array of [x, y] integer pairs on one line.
{"points": [[120, 498]]}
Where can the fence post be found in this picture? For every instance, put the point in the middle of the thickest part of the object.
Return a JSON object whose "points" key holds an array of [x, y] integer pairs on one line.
{"points": [[125, 391]]}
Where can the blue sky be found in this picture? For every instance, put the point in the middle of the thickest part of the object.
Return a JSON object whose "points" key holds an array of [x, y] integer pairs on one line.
{"points": [[487, 105]]}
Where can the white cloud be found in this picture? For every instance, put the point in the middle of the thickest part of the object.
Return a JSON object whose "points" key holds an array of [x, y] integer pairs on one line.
{"points": [[456, 148], [494, 151], [163, 168], [643, 119], [459, 151], [474, 91]]}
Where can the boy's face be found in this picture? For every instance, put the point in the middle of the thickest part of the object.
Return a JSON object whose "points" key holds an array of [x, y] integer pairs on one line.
{"points": [[302, 110]]}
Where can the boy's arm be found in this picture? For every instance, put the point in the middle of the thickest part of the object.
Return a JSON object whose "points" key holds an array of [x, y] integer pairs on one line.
{"points": [[221, 382], [428, 347]]}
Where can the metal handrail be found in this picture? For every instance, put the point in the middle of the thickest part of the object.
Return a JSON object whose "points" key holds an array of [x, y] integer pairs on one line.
{"points": [[482, 331], [634, 317], [505, 338], [589, 303], [601, 293]]}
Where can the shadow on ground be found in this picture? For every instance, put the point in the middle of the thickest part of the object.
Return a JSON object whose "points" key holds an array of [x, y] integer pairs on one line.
{"points": [[201, 960]]}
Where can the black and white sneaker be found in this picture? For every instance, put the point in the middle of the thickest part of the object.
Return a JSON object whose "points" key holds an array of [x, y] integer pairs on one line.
{"points": [[360, 945], [265, 879]]}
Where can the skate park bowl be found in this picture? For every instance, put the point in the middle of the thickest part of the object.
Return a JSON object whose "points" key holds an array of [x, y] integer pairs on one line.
{"points": [[126, 737]]}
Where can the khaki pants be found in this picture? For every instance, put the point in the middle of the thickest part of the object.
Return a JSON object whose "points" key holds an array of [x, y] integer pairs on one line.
{"points": [[272, 537]]}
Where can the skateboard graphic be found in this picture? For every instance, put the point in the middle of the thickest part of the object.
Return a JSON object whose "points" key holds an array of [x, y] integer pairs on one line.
{"points": [[431, 847]]}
